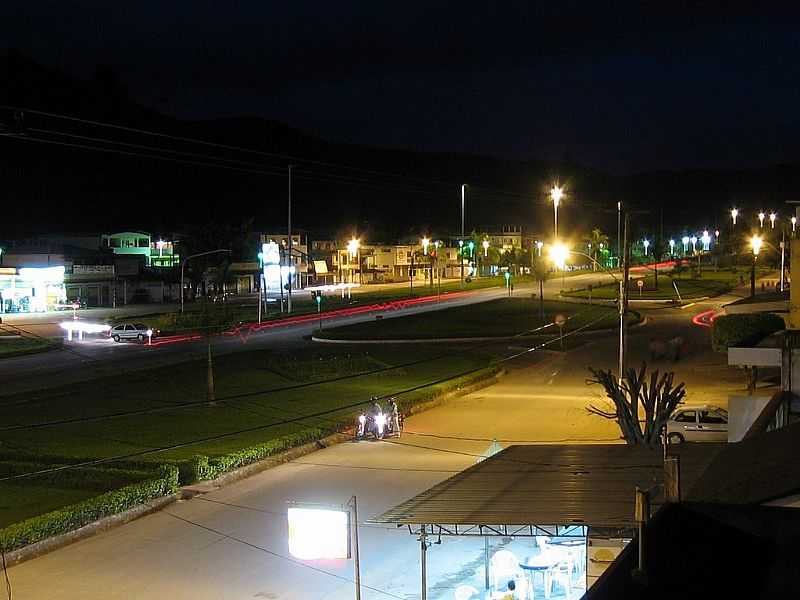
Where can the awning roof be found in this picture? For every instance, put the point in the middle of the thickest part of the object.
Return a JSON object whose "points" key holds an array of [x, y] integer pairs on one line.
{"points": [[549, 485]]}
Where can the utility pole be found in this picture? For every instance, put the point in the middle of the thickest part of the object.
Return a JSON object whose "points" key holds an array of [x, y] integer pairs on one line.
{"points": [[623, 299], [289, 245], [619, 239], [461, 243]]}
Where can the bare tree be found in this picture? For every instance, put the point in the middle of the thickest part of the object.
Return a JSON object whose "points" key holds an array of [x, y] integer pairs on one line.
{"points": [[657, 399]]}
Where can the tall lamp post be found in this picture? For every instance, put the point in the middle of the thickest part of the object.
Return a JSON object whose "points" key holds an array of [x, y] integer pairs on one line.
{"points": [[685, 242], [671, 247], [734, 214], [755, 245], [556, 193], [761, 216], [794, 224], [190, 257], [772, 217]]}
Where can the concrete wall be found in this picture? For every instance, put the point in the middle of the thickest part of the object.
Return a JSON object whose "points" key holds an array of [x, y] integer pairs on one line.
{"points": [[742, 412]]}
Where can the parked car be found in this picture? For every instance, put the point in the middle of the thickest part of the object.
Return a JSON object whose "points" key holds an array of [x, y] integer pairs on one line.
{"points": [[698, 424], [131, 331]]}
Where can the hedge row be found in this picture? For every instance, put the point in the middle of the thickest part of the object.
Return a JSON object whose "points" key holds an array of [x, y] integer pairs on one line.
{"points": [[743, 329], [84, 478], [82, 513]]}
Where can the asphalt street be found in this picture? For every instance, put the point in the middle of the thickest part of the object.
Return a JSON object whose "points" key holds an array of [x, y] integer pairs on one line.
{"points": [[99, 356], [232, 542]]}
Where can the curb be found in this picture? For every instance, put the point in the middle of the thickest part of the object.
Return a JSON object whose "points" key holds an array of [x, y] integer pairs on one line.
{"points": [[90, 530]]}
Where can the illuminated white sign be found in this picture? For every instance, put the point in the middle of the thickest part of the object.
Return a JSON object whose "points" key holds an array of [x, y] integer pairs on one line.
{"points": [[43, 274], [316, 533]]}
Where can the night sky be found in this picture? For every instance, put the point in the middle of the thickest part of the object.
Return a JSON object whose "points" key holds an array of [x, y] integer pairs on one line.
{"points": [[628, 89]]}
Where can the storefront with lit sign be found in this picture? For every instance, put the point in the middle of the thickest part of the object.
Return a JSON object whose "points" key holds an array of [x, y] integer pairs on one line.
{"points": [[31, 289]]}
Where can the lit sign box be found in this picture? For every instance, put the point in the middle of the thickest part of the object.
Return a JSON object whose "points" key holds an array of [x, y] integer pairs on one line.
{"points": [[316, 533]]}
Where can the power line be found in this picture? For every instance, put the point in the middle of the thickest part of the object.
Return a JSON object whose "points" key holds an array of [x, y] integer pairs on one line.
{"points": [[448, 184]]}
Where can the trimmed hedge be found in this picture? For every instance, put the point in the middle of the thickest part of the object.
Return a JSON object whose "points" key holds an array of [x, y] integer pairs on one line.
{"points": [[743, 330], [77, 515], [84, 478]]}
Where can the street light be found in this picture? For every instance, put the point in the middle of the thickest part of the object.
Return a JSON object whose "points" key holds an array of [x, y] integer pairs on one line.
{"points": [[706, 239], [556, 193], [793, 220], [734, 214], [772, 217], [539, 246], [485, 245], [761, 219], [685, 240], [755, 245], [693, 239], [646, 244], [671, 247], [425, 242], [559, 254]]}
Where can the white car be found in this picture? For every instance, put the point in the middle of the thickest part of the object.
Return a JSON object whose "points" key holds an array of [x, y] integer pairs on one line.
{"points": [[130, 331], [698, 424]]}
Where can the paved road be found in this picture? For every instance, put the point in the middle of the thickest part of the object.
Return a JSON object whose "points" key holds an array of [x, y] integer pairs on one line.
{"points": [[97, 357], [231, 543]]}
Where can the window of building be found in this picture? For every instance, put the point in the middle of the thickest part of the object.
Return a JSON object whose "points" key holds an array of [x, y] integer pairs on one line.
{"points": [[144, 243]]}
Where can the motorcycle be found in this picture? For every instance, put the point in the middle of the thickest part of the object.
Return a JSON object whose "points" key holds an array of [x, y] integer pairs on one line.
{"points": [[375, 425]]}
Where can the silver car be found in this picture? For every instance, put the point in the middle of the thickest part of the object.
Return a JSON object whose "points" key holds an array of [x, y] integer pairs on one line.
{"points": [[130, 331], [698, 424]]}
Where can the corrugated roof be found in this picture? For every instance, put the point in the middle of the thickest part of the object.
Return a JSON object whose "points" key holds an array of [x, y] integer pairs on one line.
{"points": [[758, 469], [550, 485]]}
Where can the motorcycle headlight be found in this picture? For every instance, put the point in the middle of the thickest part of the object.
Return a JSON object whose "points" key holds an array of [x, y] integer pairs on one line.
{"points": [[381, 420], [362, 419]]}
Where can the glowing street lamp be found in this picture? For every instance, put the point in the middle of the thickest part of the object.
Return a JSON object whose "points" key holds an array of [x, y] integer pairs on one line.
{"points": [[559, 254], [706, 239], [539, 246], [556, 193], [693, 239], [761, 216], [734, 214], [755, 244], [425, 242], [671, 247], [646, 244], [685, 240], [772, 217], [794, 224], [160, 244], [352, 247], [485, 245], [716, 235]]}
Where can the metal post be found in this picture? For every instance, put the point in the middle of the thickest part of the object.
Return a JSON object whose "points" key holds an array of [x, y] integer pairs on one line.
{"points": [[260, 290], [411, 274], [289, 245], [461, 247], [486, 561], [753, 277], [619, 238], [783, 263], [210, 395], [423, 550], [623, 301], [356, 555]]}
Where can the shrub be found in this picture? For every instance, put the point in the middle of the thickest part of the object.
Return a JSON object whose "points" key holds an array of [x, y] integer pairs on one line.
{"points": [[77, 515], [743, 330]]}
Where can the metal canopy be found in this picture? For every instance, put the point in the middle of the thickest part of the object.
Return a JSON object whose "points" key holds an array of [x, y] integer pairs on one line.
{"points": [[557, 489]]}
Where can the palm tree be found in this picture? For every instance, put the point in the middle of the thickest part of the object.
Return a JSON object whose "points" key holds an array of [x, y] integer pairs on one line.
{"points": [[595, 240]]}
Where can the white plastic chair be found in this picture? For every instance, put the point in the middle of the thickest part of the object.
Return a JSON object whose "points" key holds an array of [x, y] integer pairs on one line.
{"points": [[504, 567], [466, 592], [562, 575]]}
